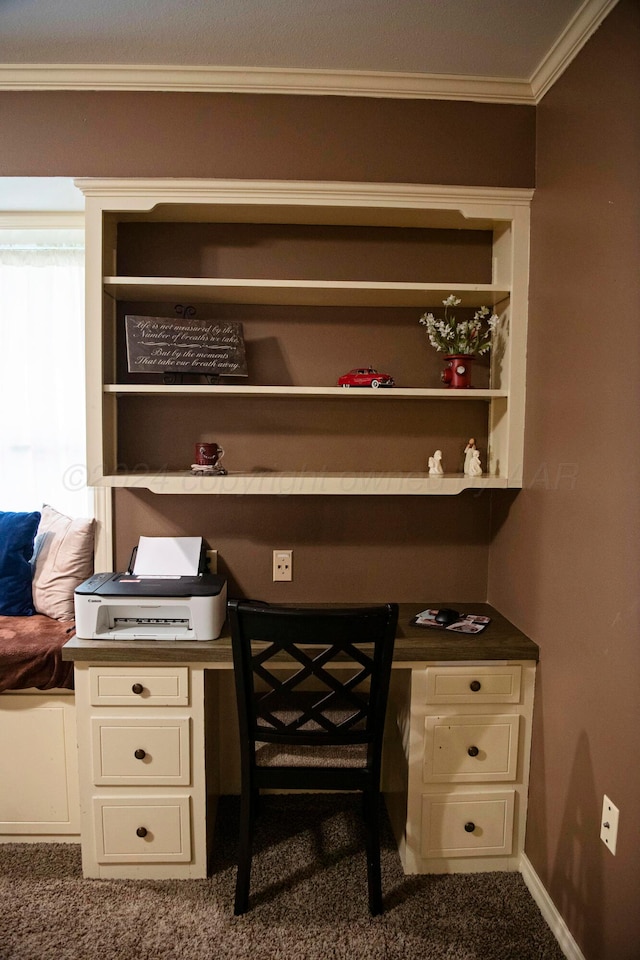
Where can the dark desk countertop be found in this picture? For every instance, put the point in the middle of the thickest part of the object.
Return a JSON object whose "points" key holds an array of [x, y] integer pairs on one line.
{"points": [[500, 641]]}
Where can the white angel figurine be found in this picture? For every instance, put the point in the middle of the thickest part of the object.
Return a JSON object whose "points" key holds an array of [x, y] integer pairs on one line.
{"points": [[435, 464], [468, 454], [475, 466]]}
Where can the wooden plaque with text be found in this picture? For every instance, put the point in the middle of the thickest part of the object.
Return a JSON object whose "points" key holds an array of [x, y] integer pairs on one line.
{"points": [[181, 345]]}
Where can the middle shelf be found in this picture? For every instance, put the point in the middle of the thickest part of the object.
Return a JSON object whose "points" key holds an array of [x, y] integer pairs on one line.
{"points": [[355, 393]]}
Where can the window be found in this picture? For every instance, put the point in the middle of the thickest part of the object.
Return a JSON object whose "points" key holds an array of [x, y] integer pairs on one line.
{"points": [[42, 405]]}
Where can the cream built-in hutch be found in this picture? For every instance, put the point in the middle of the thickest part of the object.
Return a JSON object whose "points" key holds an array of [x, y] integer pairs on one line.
{"points": [[320, 274]]}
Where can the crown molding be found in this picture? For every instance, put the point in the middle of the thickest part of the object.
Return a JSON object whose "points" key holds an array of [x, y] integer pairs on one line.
{"points": [[341, 192], [572, 39], [306, 199], [356, 83], [349, 83]]}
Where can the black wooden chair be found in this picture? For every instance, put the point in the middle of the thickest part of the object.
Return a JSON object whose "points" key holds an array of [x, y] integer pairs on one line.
{"points": [[312, 688]]}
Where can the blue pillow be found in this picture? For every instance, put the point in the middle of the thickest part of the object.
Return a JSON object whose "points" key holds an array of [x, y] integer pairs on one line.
{"points": [[17, 534]]}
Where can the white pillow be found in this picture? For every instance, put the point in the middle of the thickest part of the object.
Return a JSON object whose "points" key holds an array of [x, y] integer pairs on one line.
{"points": [[63, 558]]}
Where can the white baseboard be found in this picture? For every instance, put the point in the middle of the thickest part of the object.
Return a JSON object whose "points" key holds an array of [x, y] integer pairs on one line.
{"points": [[549, 911]]}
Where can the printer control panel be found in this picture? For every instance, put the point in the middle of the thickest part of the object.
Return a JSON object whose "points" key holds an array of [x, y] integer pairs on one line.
{"points": [[94, 582]]}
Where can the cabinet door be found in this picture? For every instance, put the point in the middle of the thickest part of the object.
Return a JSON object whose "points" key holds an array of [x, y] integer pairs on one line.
{"points": [[137, 751], [467, 824], [465, 749], [38, 737]]}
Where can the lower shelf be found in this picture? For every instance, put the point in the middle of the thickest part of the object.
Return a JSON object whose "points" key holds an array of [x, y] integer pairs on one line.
{"points": [[282, 483]]}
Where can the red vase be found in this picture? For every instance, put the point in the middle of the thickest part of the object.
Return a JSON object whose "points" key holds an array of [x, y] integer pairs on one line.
{"points": [[457, 373]]}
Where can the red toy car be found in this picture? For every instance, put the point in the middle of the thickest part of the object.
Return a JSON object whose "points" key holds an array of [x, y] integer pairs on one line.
{"points": [[366, 377]]}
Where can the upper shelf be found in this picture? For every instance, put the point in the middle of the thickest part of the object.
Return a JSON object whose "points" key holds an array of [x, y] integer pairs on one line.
{"points": [[356, 293]]}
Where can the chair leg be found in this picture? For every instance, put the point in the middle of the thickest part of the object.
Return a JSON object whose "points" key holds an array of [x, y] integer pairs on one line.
{"points": [[371, 809], [243, 878]]}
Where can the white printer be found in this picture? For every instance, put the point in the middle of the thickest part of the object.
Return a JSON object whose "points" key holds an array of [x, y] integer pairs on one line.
{"points": [[162, 605]]}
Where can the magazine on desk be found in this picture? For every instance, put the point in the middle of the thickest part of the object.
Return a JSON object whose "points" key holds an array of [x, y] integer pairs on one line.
{"points": [[467, 623]]}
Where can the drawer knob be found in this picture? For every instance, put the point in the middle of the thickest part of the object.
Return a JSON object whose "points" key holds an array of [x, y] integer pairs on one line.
{"points": [[472, 751], [137, 688], [142, 831], [140, 754], [470, 826], [475, 685]]}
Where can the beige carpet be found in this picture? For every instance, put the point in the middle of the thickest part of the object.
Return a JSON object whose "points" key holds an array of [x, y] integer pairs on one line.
{"points": [[308, 902]]}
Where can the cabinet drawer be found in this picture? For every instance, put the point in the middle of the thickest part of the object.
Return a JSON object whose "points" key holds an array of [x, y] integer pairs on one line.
{"points": [[142, 830], [139, 686], [473, 684], [137, 751], [467, 825], [464, 749]]}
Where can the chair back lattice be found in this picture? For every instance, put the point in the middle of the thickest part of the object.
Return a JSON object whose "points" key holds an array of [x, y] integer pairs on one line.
{"points": [[312, 676]]}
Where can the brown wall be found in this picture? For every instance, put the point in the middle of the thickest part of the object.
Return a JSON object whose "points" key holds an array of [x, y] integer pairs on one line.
{"points": [[345, 548], [564, 563], [251, 135]]}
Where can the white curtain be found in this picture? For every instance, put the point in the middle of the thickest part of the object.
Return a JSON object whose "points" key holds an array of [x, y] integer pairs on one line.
{"points": [[42, 406]]}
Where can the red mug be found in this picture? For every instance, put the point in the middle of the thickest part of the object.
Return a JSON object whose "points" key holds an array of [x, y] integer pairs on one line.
{"points": [[208, 454]]}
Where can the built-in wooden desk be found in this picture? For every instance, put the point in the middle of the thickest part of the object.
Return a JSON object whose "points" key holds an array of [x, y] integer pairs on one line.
{"points": [[158, 742]]}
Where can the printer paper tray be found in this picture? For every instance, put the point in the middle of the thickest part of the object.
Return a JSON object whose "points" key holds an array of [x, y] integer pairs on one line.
{"points": [[143, 633]]}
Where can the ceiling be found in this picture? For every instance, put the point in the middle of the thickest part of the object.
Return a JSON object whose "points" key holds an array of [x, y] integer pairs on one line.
{"points": [[483, 38], [416, 42]]}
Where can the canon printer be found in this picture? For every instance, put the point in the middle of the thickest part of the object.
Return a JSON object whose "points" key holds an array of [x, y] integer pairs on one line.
{"points": [[179, 601]]}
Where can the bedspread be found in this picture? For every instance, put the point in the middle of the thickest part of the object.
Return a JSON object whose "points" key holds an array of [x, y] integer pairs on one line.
{"points": [[31, 653]]}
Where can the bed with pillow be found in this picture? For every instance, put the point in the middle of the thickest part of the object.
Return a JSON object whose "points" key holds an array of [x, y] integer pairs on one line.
{"points": [[44, 555]]}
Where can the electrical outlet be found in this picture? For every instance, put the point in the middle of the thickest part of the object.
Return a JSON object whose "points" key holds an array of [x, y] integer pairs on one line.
{"points": [[212, 561], [282, 565], [609, 824]]}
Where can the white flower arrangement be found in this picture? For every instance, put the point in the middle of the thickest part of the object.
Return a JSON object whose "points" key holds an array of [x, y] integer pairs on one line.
{"points": [[470, 337]]}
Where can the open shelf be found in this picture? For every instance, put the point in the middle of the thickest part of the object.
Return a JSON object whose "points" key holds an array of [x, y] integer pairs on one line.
{"points": [[287, 484], [344, 293], [353, 393]]}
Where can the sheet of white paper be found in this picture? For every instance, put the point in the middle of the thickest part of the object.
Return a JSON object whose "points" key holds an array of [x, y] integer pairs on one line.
{"points": [[167, 557]]}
